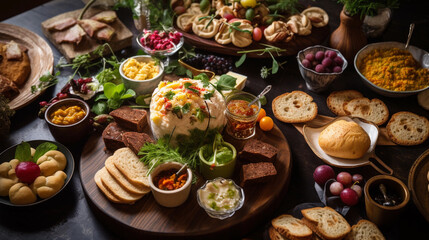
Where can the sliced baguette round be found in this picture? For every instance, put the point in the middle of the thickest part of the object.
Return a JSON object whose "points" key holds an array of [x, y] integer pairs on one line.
{"points": [[274, 234], [292, 228], [373, 110], [122, 180], [126, 161], [326, 223], [294, 107], [364, 230], [407, 128], [336, 100], [106, 192], [113, 186]]}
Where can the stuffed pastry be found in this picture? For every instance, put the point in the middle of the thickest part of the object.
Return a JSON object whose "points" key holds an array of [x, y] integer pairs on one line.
{"points": [[317, 16], [224, 10], [224, 35], [300, 24], [242, 39], [217, 4], [184, 21], [205, 28], [261, 14], [276, 32]]}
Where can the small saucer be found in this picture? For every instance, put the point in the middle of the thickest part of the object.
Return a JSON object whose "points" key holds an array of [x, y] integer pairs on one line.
{"points": [[311, 135]]}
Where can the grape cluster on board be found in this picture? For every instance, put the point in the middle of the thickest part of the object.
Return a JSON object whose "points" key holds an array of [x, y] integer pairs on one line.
{"points": [[218, 65]]}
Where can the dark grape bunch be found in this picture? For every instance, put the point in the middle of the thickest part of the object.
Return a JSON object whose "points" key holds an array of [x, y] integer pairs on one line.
{"points": [[216, 64]]}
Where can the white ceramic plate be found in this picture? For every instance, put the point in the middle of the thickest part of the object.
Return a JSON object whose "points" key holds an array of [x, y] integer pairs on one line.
{"points": [[311, 135]]}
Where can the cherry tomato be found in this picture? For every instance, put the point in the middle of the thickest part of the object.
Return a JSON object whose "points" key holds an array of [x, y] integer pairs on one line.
{"points": [[261, 114], [257, 34], [248, 3], [266, 124]]}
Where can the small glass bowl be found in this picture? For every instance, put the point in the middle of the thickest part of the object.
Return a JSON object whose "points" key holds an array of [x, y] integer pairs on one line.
{"points": [[221, 214], [161, 53]]}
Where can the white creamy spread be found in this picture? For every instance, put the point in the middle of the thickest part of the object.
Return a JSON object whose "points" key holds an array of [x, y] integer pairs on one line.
{"points": [[185, 104], [220, 195]]}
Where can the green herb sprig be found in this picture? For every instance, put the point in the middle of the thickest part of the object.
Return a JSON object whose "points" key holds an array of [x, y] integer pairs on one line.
{"points": [[23, 151], [268, 49], [112, 98], [367, 7]]}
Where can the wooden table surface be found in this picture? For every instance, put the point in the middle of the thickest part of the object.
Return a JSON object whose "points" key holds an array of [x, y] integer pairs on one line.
{"points": [[70, 216]]}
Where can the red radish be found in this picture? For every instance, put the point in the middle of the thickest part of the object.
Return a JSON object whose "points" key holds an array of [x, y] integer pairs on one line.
{"points": [[27, 172]]}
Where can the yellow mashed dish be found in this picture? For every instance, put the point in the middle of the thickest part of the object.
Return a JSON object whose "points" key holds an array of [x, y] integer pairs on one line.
{"points": [[394, 69], [67, 115], [140, 70]]}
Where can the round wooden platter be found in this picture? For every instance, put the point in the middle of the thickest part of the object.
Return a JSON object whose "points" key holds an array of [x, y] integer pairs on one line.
{"points": [[418, 183], [317, 36], [148, 219], [41, 60]]}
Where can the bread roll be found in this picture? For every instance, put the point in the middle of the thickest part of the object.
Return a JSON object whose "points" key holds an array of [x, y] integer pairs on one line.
{"points": [[345, 140]]}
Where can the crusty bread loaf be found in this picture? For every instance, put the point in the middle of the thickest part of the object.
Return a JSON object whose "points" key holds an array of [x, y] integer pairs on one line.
{"points": [[46, 187], [373, 110], [294, 107], [406, 128], [21, 194], [344, 139], [326, 223], [122, 180], [107, 193], [113, 186], [292, 228], [131, 167], [336, 100], [364, 230]]}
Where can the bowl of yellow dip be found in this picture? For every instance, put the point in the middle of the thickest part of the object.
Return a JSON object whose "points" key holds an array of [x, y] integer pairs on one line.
{"points": [[141, 73], [390, 70]]}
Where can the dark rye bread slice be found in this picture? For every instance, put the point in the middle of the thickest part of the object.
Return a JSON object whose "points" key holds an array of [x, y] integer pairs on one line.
{"points": [[132, 119], [257, 151], [112, 136], [256, 173], [135, 140]]}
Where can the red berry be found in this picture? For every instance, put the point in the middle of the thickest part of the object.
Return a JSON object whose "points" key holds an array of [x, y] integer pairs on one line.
{"points": [[27, 172], [43, 103]]}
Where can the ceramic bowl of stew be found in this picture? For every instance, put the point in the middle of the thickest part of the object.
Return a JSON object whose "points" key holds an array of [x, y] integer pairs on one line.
{"points": [[68, 120], [168, 190]]}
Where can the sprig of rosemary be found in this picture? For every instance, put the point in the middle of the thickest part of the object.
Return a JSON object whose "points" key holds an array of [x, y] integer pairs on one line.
{"points": [[205, 17], [235, 26]]}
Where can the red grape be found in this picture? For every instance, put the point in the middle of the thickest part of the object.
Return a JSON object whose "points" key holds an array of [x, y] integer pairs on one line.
{"points": [[327, 62], [320, 55], [306, 63], [27, 172], [319, 68], [309, 57], [331, 54], [357, 189], [339, 61], [336, 188], [357, 178], [228, 16], [322, 174], [337, 69], [349, 197], [344, 178]]}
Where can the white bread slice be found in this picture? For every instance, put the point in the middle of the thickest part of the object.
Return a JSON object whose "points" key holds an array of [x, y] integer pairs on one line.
{"points": [[407, 128], [122, 180], [131, 167], [292, 228], [336, 100], [364, 230], [373, 110], [106, 192], [326, 223], [113, 186], [294, 107]]}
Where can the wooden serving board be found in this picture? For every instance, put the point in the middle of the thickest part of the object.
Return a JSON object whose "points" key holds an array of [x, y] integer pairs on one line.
{"points": [[121, 39], [317, 36], [148, 219], [41, 60], [418, 184]]}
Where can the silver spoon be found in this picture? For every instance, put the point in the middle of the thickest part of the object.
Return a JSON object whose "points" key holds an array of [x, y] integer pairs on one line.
{"points": [[265, 91], [180, 171], [410, 33]]}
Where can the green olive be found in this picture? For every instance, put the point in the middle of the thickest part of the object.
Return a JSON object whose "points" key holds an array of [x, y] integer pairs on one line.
{"points": [[204, 4], [250, 14]]}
